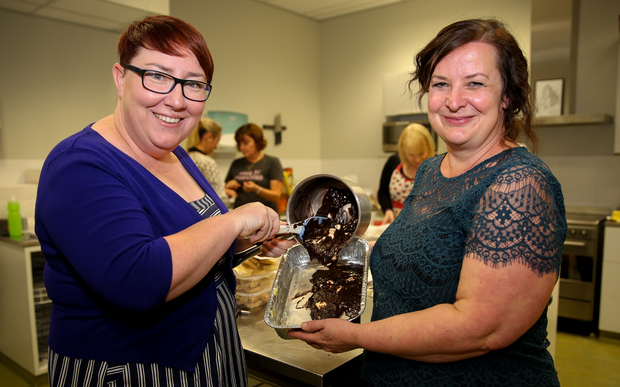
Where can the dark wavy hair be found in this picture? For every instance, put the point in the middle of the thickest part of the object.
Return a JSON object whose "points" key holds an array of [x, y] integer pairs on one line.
{"points": [[255, 132], [512, 65], [165, 34]]}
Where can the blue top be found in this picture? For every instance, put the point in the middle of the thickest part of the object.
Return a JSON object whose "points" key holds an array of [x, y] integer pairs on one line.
{"points": [[100, 218], [507, 210]]}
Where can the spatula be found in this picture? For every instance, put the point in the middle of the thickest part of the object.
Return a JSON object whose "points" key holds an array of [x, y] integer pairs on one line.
{"points": [[293, 228], [300, 227]]}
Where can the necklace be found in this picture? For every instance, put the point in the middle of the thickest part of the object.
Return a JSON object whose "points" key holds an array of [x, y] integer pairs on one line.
{"points": [[251, 165]]}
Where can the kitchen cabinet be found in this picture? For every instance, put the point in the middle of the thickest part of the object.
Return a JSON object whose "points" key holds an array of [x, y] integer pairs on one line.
{"points": [[24, 306], [609, 317], [574, 119]]}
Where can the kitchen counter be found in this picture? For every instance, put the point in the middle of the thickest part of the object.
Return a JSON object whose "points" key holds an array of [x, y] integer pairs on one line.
{"points": [[612, 223], [27, 240], [293, 362]]}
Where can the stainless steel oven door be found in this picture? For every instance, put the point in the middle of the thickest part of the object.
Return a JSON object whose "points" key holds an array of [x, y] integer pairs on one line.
{"points": [[578, 279]]}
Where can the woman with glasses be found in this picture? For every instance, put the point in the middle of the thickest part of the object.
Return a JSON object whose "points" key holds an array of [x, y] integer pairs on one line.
{"points": [[137, 244]]}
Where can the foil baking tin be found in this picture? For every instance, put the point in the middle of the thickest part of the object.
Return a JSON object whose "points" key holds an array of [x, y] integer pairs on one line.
{"points": [[283, 311]]}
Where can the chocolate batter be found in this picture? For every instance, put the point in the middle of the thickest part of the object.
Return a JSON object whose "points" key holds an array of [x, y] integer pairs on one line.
{"points": [[325, 239], [337, 290]]}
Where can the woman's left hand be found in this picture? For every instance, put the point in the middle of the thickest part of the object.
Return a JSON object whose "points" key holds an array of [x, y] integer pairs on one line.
{"points": [[250, 186], [332, 335], [276, 247]]}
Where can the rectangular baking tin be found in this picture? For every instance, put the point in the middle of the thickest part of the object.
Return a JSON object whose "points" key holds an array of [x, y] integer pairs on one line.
{"points": [[283, 312]]}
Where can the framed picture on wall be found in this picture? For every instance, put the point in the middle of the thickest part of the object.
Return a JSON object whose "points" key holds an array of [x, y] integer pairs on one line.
{"points": [[549, 97]]}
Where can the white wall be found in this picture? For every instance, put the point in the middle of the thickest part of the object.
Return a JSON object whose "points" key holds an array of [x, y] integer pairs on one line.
{"points": [[581, 157], [356, 50], [55, 78], [324, 78], [266, 63]]}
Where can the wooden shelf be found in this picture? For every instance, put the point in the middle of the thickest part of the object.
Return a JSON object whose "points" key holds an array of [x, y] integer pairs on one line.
{"points": [[574, 119]]}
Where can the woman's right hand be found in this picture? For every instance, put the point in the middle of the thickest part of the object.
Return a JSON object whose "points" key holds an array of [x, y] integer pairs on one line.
{"points": [[388, 217], [276, 247], [230, 193], [233, 184], [256, 222], [196, 249]]}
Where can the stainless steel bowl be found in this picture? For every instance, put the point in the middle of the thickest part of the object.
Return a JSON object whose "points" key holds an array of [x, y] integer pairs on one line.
{"points": [[305, 200], [307, 196]]}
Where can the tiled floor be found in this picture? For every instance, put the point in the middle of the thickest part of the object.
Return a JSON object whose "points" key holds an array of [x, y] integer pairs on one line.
{"points": [[580, 360], [587, 361]]}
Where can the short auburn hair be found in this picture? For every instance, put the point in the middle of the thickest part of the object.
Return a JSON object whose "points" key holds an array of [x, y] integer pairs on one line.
{"points": [[168, 35], [255, 132]]}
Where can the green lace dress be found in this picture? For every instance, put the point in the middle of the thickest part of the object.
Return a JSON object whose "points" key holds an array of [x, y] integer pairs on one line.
{"points": [[507, 210]]}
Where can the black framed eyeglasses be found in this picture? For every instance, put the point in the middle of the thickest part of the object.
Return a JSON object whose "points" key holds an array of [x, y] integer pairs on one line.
{"points": [[163, 83]]}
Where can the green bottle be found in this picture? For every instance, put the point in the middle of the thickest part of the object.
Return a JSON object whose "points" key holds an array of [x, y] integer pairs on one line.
{"points": [[14, 219]]}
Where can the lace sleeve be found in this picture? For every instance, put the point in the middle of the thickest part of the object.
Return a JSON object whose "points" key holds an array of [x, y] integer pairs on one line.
{"points": [[519, 219]]}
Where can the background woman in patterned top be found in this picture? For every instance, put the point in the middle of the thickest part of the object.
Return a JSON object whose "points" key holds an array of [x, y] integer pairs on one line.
{"points": [[414, 146], [464, 274], [200, 144]]}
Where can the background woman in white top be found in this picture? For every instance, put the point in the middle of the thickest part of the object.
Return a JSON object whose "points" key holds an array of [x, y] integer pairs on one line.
{"points": [[200, 144]]}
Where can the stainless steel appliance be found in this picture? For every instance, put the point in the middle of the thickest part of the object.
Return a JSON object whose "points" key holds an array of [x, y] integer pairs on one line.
{"points": [[394, 126], [580, 273]]}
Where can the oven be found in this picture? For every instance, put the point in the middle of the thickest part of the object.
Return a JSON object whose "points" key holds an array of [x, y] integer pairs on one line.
{"points": [[580, 272], [394, 126]]}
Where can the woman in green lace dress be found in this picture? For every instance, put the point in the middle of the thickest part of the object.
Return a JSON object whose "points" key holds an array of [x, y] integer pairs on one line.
{"points": [[464, 275]]}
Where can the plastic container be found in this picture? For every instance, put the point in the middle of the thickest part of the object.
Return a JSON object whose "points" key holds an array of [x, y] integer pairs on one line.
{"points": [[256, 266], [256, 283], [248, 301], [14, 219]]}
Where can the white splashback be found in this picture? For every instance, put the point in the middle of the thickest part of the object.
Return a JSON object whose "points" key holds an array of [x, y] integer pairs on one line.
{"points": [[18, 180], [18, 171], [364, 172]]}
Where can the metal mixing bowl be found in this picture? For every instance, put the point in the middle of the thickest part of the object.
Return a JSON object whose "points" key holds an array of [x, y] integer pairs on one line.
{"points": [[307, 196]]}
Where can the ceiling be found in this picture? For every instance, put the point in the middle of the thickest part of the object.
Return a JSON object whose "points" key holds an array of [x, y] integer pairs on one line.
{"points": [[115, 15], [325, 9]]}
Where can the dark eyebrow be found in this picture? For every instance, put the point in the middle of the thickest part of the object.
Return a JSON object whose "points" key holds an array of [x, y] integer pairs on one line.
{"points": [[168, 70], [441, 77], [477, 74]]}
